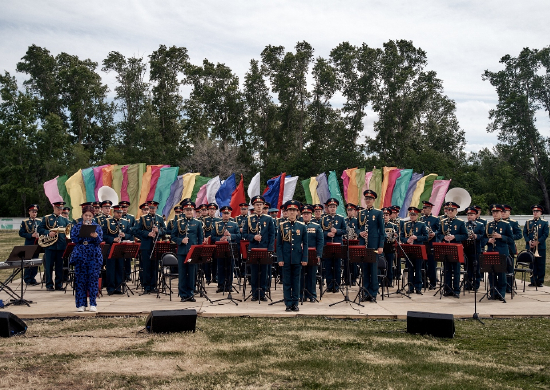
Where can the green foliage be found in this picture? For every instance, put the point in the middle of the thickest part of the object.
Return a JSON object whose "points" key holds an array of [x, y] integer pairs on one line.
{"points": [[282, 117]]}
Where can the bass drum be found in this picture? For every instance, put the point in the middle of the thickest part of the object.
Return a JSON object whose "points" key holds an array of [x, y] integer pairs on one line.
{"points": [[526, 257]]}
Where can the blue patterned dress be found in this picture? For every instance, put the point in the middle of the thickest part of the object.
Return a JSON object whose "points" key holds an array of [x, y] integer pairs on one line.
{"points": [[87, 260]]}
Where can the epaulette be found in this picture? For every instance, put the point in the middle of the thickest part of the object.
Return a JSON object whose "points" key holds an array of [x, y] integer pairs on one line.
{"points": [[300, 222], [512, 220], [315, 223], [504, 221], [460, 219]]}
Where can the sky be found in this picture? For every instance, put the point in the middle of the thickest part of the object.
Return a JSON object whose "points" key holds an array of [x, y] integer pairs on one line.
{"points": [[461, 38]]}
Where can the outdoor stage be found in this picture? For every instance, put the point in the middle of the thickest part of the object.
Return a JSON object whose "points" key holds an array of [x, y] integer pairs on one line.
{"points": [[59, 304]]}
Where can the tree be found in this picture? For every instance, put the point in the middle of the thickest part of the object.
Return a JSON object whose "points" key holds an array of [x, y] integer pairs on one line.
{"points": [[132, 94], [287, 73], [518, 88], [166, 67]]}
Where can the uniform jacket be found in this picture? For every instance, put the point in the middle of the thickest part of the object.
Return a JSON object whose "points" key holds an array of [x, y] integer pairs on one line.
{"points": [[187, 227], [455, 227], [529, 232], [144, 226], [27, 228], [262, 225], [53, 221], [374, 220], [315, 237], [292, 242], [417, 229], [112, 227], [337, 222], [501, 245]]}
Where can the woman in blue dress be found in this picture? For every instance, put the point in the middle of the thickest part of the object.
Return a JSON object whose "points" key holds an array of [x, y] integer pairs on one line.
{"points": [[87, 260]]}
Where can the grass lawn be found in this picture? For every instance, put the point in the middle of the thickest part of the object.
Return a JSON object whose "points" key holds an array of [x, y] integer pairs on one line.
{"points": [[276, 353]]}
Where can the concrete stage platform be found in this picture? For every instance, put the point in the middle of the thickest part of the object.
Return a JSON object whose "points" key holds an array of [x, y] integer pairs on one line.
{"points": [[59, 304]]}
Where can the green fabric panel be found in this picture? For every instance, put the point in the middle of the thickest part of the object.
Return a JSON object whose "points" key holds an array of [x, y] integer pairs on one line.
{"points": [[307, 192]]}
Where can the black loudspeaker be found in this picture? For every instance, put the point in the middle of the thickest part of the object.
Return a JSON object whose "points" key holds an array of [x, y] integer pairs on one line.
{"points": [[167, 321], [436, 324], [11, 325]]}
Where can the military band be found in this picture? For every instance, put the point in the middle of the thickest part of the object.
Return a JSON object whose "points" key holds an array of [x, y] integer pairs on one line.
{"points": [[295, 234]]}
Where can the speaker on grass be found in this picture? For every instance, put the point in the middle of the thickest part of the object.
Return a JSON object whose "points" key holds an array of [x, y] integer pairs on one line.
{"points": [[167, 321], [435, 324], [11, 325]]}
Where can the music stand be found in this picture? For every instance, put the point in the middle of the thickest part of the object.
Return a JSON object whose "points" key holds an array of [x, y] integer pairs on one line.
{"points": [[332, 251], [411, 251], [361, 254], [18, 256], [161, 247], [127, 251], [225, 250], [200, 254], [492, 263], [311, 261], [259, 257], [447, 253]]}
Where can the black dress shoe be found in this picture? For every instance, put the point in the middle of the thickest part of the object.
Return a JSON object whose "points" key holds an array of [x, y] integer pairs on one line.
{"points": [[312, 300], [219, 290], [59, 289], [295, 308], [431, 287], [418, 292], [192, 299], [263, 299], [34, 283], [540, 285], [50, 289], [288, 308], [254, 299], [447, 294], [109, 293]]}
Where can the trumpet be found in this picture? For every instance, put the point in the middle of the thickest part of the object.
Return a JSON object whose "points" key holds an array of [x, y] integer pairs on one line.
{"points": [[470, 226]]}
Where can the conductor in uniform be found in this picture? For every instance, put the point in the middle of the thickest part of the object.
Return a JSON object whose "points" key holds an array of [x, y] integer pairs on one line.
{"points": [[292, 254], [372, 235]]}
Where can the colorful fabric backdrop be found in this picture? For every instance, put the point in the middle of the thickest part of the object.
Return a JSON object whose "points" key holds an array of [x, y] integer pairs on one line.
{"points": [[138, 183]]}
